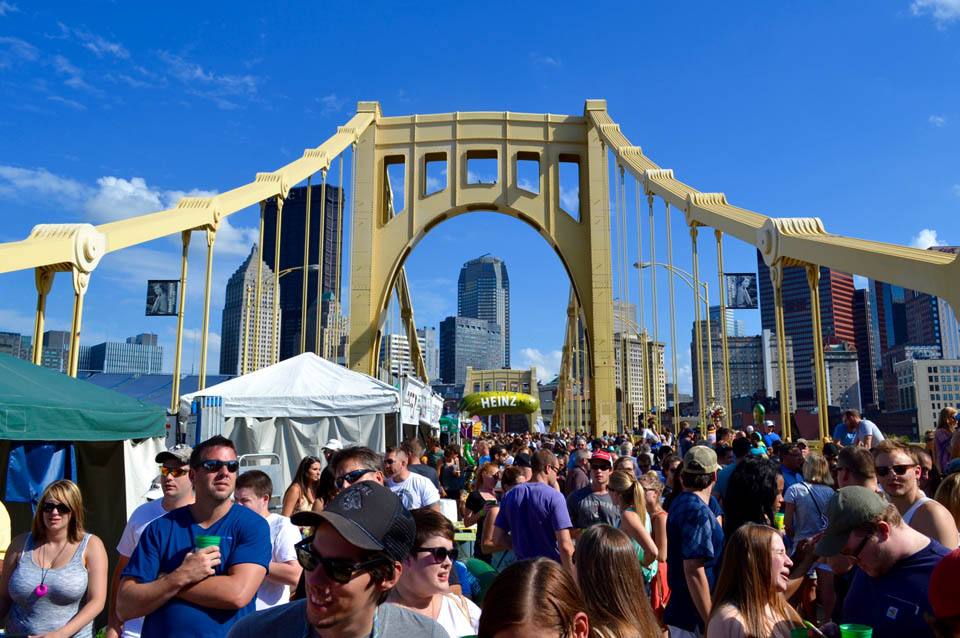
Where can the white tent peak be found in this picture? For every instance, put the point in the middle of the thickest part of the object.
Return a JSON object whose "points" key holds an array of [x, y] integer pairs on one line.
{"points": [[302, 386]]}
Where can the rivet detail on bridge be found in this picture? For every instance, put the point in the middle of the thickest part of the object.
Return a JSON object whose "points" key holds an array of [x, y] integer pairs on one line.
{"points": [[315, 153], [629, 151], [653, 174]]}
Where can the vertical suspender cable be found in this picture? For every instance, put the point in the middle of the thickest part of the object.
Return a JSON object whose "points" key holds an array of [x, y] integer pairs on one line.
{"points": [[306, 271], [259, 301], [673, 321], [643, 330], [321, 253]]}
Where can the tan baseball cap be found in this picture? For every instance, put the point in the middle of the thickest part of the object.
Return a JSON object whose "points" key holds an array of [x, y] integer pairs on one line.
{"points": [[700, 460]]}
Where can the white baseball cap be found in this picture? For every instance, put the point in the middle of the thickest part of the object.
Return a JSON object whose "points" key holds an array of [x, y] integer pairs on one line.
{"points": [[333, 444]]}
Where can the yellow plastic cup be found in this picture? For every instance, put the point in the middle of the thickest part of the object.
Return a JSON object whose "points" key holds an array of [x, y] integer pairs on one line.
{"points": [[778, 520]]}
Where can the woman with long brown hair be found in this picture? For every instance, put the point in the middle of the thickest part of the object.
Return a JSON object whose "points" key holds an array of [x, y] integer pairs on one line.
{"points": [[300, 494], [748, 600], [611, 585], [946, 426], [534, 598]]}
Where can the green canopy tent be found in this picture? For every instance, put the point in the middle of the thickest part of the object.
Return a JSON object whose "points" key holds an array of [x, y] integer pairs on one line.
{"points": [[114, 439]]}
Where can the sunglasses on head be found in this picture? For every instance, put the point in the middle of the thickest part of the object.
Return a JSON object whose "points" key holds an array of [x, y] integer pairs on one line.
{"points": [[439, 554], [175, 472], [48, 507], [214, 466], [351, 477], [883, 470], [337, 569]]}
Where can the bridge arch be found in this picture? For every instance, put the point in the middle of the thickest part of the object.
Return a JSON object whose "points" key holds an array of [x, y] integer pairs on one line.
{"points": [[383, 238]]}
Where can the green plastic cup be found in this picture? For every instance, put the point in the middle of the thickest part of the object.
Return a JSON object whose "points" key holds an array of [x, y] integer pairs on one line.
{"points": [[799, 632], [855, 631], [206, 541]]}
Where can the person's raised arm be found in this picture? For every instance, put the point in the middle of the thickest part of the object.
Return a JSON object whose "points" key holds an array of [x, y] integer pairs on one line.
{"points": [[95, 561], [495, 538], [286, 573], [233, 590], [698, 585], [290, 499], [136, 599]]}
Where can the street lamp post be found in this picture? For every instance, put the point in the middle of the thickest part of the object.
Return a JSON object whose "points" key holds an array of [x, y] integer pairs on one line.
{"points": [[688, 279]]}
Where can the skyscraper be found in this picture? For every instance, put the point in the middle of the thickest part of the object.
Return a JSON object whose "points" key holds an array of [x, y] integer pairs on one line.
{"points": [[291, 255], [746, 363], [395, 356], [483, 292], [836, 316], [431, 354], [241, 295], [843, 375], [735, 327], [137, 355], [868, 352], [468, 342]]}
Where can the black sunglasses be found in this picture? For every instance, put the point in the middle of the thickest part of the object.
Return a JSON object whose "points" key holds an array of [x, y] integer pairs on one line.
{"points": [[439, 554], [856, 553], [214, 466], [883, 470], [351, 477], [47, 508], [337, 569]]}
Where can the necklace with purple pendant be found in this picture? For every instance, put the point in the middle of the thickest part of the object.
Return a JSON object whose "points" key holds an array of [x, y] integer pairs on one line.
{"points": [[41, 589]]}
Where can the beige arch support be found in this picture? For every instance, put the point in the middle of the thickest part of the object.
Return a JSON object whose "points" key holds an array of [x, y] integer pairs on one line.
{"points": [[382, 242]]}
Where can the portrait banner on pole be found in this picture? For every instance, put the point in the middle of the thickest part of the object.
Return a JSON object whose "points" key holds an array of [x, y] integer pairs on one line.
{"points": [[741, 290], [162, 297]]}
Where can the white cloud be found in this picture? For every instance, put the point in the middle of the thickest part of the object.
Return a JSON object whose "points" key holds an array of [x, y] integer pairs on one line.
{"points": [[926, 238], [24, 184], [943, 11], [330, 104], [75, 76], [545, 60], [100, 46], [570, 200], [6, 7], [71, 103], [548, 364], [938, 120], [214, 86], [14, 49]]}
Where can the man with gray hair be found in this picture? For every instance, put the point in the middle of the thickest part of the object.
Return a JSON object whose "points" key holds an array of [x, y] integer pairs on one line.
{"points": [[578, 476]]}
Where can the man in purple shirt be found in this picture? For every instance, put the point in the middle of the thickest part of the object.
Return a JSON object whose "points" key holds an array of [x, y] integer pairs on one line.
{"points": [[533, 518]]}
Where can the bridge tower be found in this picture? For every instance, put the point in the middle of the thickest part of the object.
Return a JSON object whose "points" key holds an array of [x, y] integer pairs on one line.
{"points": [[384, 235]]}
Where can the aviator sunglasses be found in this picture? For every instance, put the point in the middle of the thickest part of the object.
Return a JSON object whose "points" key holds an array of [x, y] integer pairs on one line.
{"points": [[337, 569], [214, 466], [47, 508], [883, 470]]}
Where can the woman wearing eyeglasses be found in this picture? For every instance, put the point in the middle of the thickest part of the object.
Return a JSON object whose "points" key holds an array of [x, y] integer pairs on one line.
{"points": [[301, 493], [49, 571], [423, 582]]}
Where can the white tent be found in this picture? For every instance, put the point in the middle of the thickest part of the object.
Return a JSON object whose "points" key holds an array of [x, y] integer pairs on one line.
{"points": [[292, 408]]}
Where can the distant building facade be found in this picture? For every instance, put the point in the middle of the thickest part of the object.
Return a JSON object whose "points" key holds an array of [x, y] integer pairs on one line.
{"points": [[17, 345], [746, 363], [429, 346], [868, 348], [238, 329], [771, 369], [843, 375], [927, 386], [137, 355], [483, 292], [895, 355], [395, 356], [468, 342], [735, 327]]}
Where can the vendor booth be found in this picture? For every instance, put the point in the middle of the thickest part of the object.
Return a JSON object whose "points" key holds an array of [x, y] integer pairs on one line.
{"points": [[53, 426], [290, 409]]}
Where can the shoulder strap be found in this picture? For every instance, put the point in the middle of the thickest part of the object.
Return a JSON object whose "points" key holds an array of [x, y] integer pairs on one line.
{"points": [[813, 497], [908, 515]]}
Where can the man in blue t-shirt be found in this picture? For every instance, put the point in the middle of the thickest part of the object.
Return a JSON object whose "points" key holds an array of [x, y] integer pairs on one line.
{"points": [[533, 519], [769, 435], [694, 545], [843, 436], [791, 464], [893, 563], [182, 585], [741, 449]]}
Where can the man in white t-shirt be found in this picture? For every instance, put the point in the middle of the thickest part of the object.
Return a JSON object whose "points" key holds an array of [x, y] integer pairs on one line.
{"points": [[177, 492], [253, 492], [415, 491], [868, 435]]}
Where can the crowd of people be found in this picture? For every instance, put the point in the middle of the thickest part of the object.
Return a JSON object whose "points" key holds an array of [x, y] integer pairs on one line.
{"points": [[736, 534]]}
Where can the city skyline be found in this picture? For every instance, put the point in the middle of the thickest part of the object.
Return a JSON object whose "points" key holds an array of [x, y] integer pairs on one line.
{"points": [[105, 119]]}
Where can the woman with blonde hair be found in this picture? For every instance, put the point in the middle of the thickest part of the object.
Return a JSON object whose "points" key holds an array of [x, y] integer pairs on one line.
{"points": [[748, 600], [659, 589], [616, 603], [54, 580], [627, 494], [474, 510], [948, 495], [534, 598], [805, 517], [942, 437]]}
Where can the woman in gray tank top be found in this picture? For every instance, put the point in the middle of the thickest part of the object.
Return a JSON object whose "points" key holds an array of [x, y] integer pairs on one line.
{"points": [[54, 579]]}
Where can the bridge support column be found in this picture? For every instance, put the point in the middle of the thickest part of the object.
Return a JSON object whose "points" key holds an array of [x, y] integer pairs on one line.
{"points": [[776, 277], [202, 382], [819, 368], [175, 388], [44, 281]]}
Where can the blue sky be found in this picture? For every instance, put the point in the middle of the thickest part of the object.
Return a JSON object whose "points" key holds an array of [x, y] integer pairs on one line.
{"points": [[846, 111]]}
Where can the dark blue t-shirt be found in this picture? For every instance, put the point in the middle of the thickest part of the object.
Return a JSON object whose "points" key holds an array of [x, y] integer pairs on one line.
{"points": [[692, 532], [894, 603], [244, 538]]}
